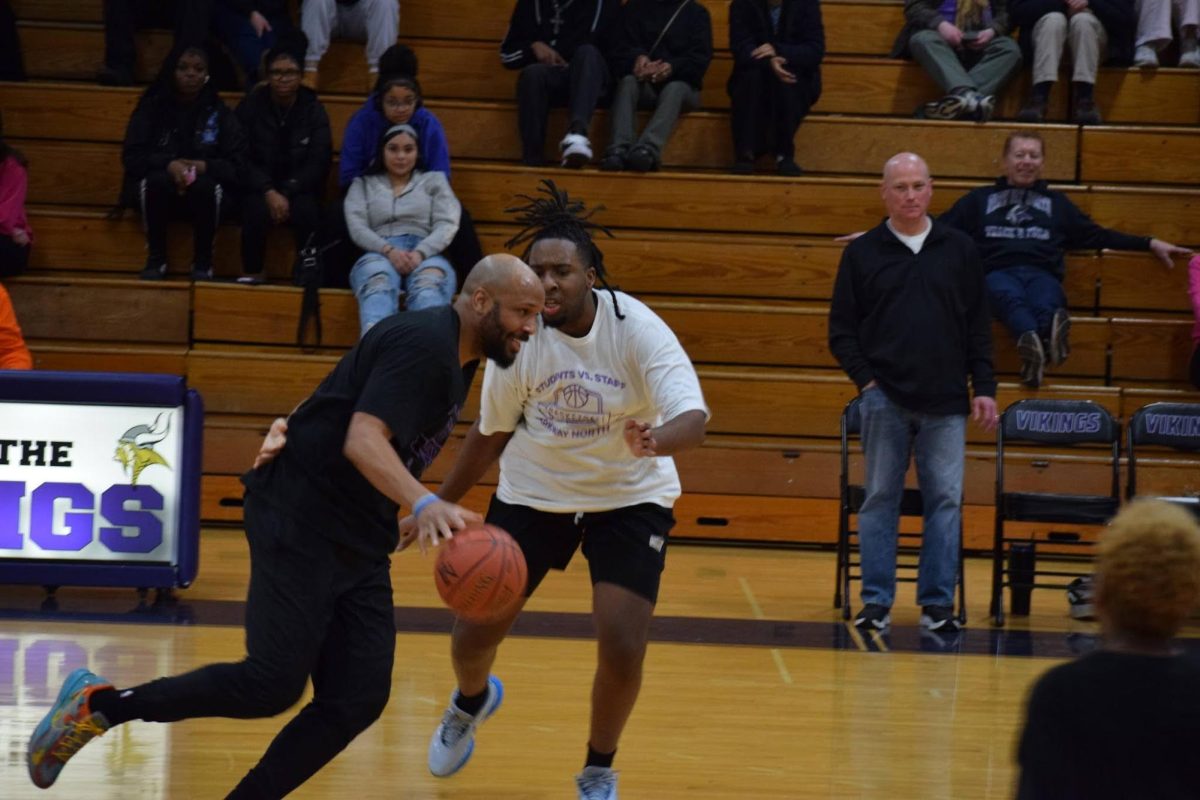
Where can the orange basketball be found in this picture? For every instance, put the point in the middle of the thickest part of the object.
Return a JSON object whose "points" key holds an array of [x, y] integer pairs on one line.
{"points": [[480, 573]]}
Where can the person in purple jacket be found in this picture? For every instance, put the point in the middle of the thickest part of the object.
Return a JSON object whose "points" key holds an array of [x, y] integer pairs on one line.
{"points": [[396, 100]]}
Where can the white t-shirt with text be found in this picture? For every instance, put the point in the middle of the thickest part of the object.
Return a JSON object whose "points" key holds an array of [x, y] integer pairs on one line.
{"points": [[566, 400]]}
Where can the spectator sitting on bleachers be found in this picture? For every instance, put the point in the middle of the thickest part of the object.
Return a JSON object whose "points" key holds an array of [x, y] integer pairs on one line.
{"points": [[1194, 294], [249, 28], [562, 59], [13, 352], [289, 149], [403, 217], [1096, 31], [183, 151], [188, 19], [1022, 228], [1154, 31], [1116, 723], [777, 49], [376, 22], [965, 48], [11, 66], [661, 50], [15, 234], [397, 99]]}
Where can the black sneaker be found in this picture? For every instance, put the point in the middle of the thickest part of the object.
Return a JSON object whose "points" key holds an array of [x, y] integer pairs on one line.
{"points": [[252, 279], [1086, 112], [939, 618], [153, 272], [1034, 110], [200, 272], [1080, 593], [788, 168], [1060, 332], [743, 166], [873, 616], [613, 162], [641, 159], [1033, 359]]}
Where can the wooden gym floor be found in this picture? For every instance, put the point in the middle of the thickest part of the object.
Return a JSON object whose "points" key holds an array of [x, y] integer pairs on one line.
{"points": [[754, 688]]}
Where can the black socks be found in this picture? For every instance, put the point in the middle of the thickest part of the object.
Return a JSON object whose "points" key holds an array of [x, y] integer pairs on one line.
{"points": [[470, 705], [597, 759]]}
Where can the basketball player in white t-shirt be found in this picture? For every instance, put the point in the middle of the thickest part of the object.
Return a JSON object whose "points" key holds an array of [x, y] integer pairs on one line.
{"points": [[584, 423]]}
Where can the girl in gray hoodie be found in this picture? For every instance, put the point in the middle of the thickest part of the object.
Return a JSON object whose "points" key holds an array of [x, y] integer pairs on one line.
{"points": [[403, 217]]}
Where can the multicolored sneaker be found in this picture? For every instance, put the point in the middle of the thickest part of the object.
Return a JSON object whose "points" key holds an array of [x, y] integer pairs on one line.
{"points": [[68, 726]]}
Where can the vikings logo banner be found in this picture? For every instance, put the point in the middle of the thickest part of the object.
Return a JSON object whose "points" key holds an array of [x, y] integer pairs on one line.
{"points": [[99, 479]]}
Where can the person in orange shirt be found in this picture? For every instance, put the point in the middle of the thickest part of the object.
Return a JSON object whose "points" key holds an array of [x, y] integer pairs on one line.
{"points": [[13, 352]]}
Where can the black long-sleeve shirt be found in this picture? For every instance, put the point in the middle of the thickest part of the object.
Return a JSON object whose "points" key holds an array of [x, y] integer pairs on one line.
{"points": [[687, 44], [1113, 725], [916, 323], [583, 22], [1030, 227]]}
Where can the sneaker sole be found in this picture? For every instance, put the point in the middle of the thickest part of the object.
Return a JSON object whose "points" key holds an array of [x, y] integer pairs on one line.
{"points": [[576, 160], [1060, 342], [1033, 364], [940, 625], [876, 624], [487, 712]]}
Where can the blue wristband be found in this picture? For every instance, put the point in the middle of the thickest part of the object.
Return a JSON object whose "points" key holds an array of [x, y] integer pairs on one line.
{"points": [[420, 505]]}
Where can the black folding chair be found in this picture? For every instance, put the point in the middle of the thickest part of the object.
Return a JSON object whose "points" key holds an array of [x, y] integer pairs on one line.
{"points": [[1051, 423], [852, 496], [1172, 425]]}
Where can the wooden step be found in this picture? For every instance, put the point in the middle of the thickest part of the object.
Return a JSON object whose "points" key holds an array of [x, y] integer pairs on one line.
{"points": [[1113, 154], [744, 400], [488, 131], [742, 265], [674, 201], [100, 309], [469, 71], [89, 357], [850, 27]]}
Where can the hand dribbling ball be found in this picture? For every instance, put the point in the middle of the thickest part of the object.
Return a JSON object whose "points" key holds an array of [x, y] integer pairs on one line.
{"points": [[480, 573]]}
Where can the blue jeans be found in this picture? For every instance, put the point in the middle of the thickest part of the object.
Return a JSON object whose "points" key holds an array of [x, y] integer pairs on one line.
{"points": [[377, 285], [1025, 299], [890, 436]]}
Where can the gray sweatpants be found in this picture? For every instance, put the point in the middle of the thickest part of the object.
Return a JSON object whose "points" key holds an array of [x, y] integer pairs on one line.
{"points": [[376, 22]]}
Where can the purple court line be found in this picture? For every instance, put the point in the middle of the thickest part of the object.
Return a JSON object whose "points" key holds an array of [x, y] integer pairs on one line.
{"points": [[125, 608]]}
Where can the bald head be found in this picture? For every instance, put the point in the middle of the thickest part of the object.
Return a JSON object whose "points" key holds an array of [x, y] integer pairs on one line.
{"points": [[908, 161], [907, 189], [501, 274], [498, 307]]}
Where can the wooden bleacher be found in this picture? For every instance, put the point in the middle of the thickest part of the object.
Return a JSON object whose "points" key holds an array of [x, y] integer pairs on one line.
{"points": [[740, 267]]}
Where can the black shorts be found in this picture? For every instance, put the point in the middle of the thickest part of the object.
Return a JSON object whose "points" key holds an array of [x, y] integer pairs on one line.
{"points": [[626, 546]]}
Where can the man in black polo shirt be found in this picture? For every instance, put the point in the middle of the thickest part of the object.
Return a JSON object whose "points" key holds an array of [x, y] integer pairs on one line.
{"points": [[908, 322], [321, 520]]}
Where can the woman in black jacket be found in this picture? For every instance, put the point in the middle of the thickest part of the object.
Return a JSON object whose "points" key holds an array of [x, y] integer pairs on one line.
{"points": [[289, 151], [183, 152], [777, 48]]}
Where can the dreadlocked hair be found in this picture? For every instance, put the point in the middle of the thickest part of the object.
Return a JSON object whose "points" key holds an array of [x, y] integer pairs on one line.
{"points": [[557, 216]]}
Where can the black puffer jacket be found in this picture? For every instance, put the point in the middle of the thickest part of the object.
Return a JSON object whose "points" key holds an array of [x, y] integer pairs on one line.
{"points": [[309, 143], [161, 131]]}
